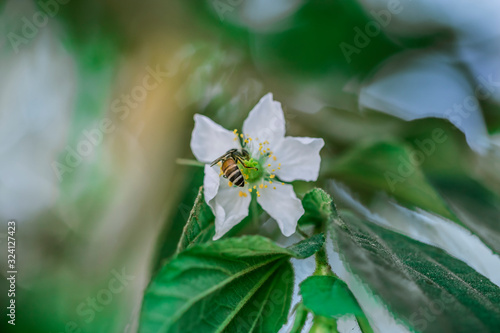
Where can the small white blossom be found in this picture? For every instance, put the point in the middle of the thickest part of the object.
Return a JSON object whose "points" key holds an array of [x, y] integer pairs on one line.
{"points": [[280, 159]]}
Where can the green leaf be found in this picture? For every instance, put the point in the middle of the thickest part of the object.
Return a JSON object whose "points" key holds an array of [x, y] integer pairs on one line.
{"points": [[475, 205], [234, 285], [200, 226], [423, 285], [328, 296], [318, 207], [386, 166]]}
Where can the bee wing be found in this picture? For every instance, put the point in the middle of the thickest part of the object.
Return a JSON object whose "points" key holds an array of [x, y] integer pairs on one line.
{"points": [[218, 160]]}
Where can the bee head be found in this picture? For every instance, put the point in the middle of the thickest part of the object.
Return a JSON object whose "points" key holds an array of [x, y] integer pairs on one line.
{"points": [[245, 154]]}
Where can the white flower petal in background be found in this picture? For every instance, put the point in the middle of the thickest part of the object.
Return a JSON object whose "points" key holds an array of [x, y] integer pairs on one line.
{"points": [[37, 89], [420, 84], [266, 122], [261, 14], [301, 157], [283, 206], [210, 140], [229, 208], [482, 60]]}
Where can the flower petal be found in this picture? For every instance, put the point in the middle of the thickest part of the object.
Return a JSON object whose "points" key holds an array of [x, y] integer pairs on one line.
{"points": [[227, 205], [265, 122], [283, 206], [411, 86], [210, 140], [299, 158], [211, 182]]}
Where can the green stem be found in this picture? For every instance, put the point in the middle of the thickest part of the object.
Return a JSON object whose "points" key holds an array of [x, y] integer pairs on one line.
{"points": [[322, 266], [302, 233], [255, 211], [189, 162], [323, 325], [364, 325]]}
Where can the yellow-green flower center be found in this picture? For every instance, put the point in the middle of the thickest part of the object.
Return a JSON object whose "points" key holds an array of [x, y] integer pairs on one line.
{"points": [[253, 171]]}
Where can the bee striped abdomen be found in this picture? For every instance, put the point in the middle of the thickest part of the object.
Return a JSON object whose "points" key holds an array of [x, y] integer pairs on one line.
{"points": [[232, 172]]}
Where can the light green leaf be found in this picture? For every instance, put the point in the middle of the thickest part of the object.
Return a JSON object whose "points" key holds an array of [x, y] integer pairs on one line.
{"points": [[318, 207], [233, 285], [386, 166], [328, 296], [423, 285], [200, 226]]}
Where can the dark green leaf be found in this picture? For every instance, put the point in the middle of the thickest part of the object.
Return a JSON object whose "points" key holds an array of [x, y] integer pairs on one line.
{"points": [[318, 207], [200, 226], [308, 247], [238, 284], [423, 285]]}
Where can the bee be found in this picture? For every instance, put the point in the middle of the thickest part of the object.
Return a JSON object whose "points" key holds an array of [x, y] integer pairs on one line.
{"points": [[230, 166]]}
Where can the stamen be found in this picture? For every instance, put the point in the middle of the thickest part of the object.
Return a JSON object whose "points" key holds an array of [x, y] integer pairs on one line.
{"points": [[230, 184], [269, 165], [235, 131], [261, 185], [241, 136], [274, 187], [258, 194], [282, 183], [272, 176], [274, 158], [265, 186], [241, 194], [255, 187], [250, 190], [273, 170]]}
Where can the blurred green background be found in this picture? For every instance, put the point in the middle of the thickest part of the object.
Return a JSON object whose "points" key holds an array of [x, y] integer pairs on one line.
{"points": [[96, 105]]}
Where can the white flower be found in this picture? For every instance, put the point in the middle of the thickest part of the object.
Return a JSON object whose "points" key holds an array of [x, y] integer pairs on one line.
{"points": [[278, 159], [449, 78]]}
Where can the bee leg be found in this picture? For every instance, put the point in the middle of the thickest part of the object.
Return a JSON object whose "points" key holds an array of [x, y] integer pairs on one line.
{"points": [[242, 162], [249, 167]]}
